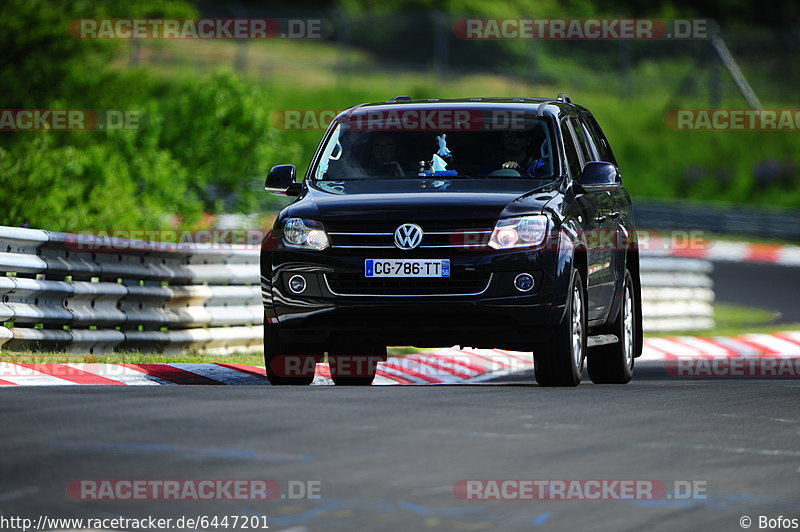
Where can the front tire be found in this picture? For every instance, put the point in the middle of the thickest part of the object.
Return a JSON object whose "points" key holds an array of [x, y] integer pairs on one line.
{"points": [[613, 363], [560, 362], [288, 364], [356, 366]]}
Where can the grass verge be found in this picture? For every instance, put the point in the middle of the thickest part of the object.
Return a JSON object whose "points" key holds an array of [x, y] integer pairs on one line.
{"points": [[734, 320]]}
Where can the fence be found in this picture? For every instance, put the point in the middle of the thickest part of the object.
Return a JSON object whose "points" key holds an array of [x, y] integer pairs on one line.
{"points": [[64, 292]]}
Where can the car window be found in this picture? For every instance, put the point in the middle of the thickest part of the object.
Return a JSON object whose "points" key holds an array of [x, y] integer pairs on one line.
{"points": [[591, 144], [580, 139], [599, 139], [573, 160]]}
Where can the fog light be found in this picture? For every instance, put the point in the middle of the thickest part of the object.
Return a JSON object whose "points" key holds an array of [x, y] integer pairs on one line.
{"points": [[523, 282], [297, 284]]}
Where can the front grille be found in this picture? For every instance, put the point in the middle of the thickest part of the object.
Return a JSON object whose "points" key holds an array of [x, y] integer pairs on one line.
{"points": [[463, 234], [355, 284]]}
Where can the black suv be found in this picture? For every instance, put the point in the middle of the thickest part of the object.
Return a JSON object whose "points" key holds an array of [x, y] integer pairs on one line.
{"points": [[481, 222]]}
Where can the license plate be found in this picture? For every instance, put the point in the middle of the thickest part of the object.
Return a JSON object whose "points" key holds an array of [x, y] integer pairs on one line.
{"points": [[407, 268]]}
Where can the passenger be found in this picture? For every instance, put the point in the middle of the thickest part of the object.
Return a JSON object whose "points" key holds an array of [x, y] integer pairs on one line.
{"points": [[515, 155], [383, 152]]}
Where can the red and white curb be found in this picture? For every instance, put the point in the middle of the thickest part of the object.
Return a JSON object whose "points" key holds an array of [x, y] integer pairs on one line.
{"points": [[774, 345], [446, 366], [723, 251], [442, 366], [748, 355]]}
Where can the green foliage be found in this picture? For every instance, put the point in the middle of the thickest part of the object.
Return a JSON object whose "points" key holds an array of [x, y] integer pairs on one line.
{"points": [[202, 145], [71, 188], [42, 61], [219, 130], [721, 166], [206, 142]]}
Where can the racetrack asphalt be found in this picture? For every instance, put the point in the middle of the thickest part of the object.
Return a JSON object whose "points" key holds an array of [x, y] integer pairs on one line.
{"points": [[387, 458], [761, 285]]}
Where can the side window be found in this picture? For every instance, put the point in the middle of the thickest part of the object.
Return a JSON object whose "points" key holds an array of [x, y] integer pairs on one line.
{"points": [[580, 139], [599, 140], [573, 162], [591, 144]]}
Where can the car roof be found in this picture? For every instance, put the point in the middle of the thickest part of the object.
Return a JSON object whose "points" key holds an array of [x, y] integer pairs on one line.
{"points": [[544, 106]]}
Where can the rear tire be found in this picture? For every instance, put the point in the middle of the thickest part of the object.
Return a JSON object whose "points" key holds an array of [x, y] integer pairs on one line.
{"points": [[560, 362], [356, 366], [288, 364], [613, 363]]}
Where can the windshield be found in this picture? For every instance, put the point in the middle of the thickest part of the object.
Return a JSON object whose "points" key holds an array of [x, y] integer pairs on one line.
{"points": [[360, 149]]}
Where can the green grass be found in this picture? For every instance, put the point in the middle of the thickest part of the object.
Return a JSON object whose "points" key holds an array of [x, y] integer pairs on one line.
{"points": [[41, 357], [734, 320]]}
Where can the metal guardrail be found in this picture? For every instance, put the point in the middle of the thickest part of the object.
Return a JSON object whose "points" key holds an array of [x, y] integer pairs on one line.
{"points": [[82, 294], [677, 294], [745, 220], [91, 295]]}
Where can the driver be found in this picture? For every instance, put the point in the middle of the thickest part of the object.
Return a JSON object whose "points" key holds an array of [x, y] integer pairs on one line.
{"points": [[514, 154], [383, 152]]}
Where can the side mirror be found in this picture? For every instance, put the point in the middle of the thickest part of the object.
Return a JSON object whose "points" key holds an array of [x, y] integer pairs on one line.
{"points": [[597, 173], [280, 180]]}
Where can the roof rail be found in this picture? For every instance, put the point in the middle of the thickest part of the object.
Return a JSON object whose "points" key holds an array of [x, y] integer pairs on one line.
{"points": [[399, 98], [563, 98]]}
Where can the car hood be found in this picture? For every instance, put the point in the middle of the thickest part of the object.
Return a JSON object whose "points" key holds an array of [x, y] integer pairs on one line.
{"points": [[455, 199]]}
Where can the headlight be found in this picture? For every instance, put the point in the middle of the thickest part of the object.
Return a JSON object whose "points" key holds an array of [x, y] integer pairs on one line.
{"points": [[521, 232], [307, 234]]}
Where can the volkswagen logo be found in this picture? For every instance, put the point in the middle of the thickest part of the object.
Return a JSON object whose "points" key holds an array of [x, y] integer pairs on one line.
{"points": [[408, 236]]}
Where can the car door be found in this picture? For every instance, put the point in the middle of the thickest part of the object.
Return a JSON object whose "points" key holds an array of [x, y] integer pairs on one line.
{"points": [[598, 142], [592, 207], [619, 217]]}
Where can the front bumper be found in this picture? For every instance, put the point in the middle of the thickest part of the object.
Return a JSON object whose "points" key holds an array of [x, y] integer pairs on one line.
{"points": [[487, 314]]}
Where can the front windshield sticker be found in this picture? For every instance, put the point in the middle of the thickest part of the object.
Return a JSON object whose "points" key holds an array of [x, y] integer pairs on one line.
{"points": [[437, 165]]}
